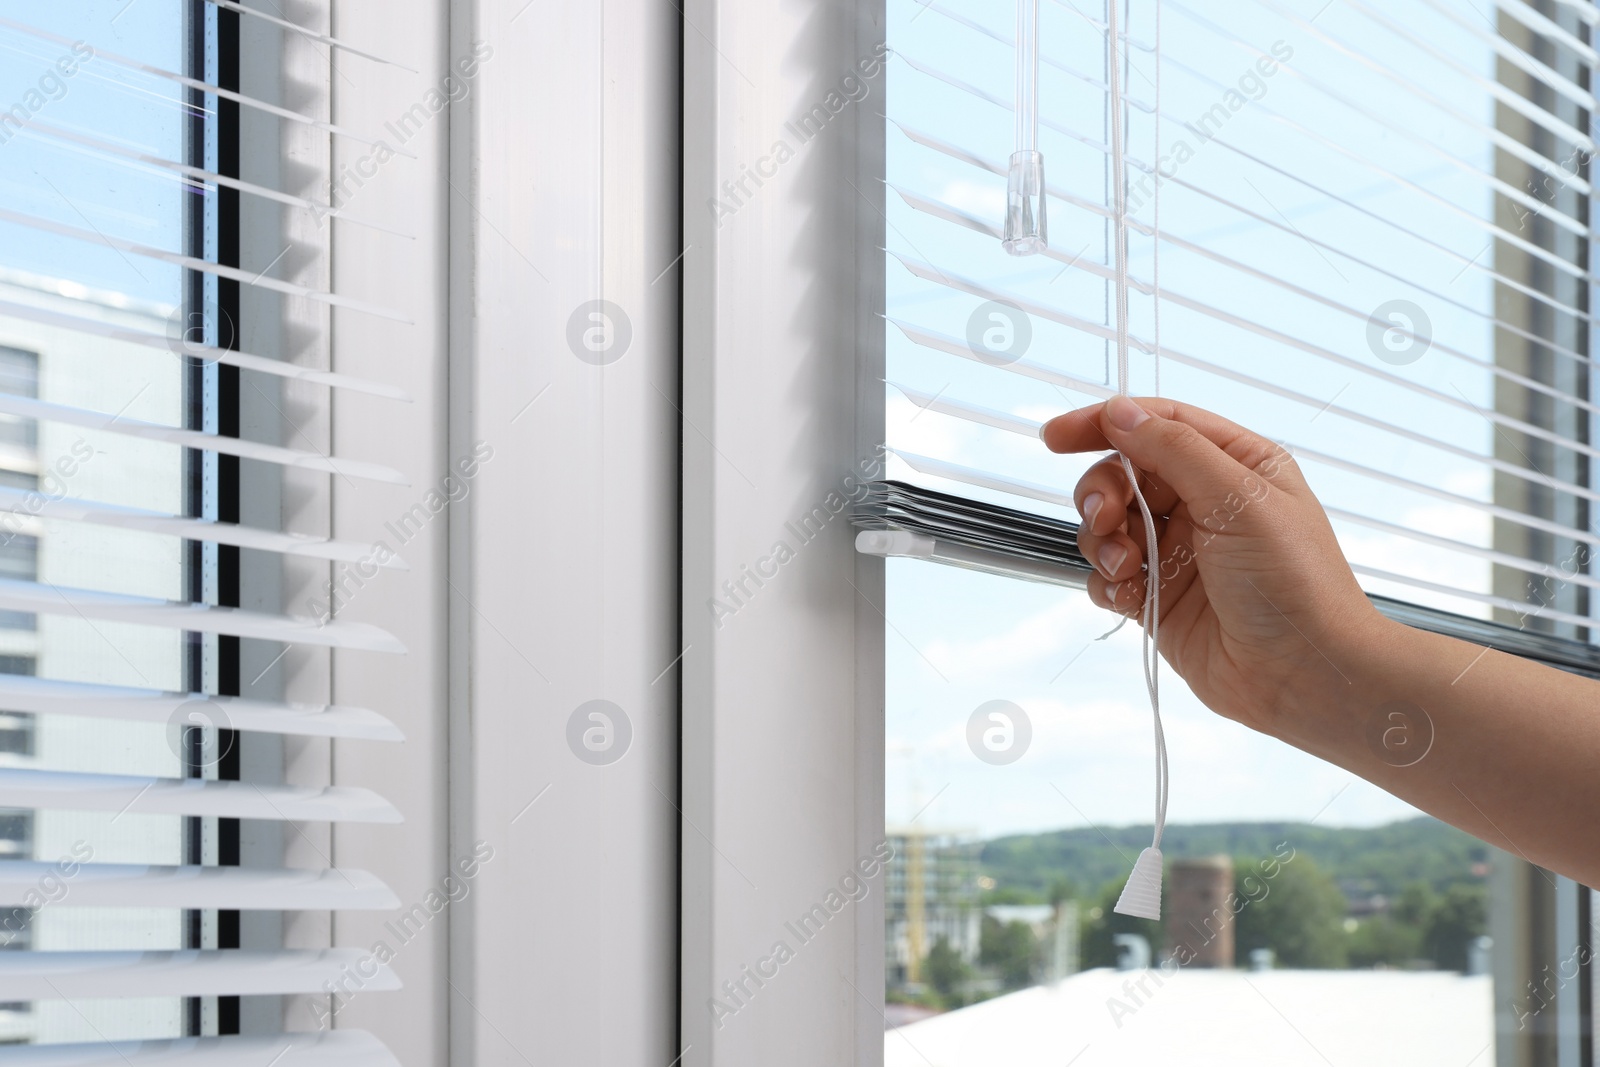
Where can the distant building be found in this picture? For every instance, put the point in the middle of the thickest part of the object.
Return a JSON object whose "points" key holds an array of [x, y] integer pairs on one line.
{"points": [[71, 345], [931, 894], [1363, 903], [1200, 912]]}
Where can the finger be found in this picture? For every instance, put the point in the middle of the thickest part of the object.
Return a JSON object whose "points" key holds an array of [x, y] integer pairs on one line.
{"points": [[1124, 598], [1116, 555], [1177, 567], [1201, 471], [1088, 429], [1121, 552], [1102, 494]]}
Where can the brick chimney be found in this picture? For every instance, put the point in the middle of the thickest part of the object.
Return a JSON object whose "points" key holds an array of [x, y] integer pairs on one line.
{"points": [[1200, 912]]}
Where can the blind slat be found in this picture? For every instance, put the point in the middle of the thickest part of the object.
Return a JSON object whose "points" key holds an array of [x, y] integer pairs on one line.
{"points": [[1542, 25], [987, 228], [972, 476], [185, 973], [1507, 96], [28, 408], [132, 885], [1577, 226], [1487, 225], [205, 87], [957, 347], [1530, 65], [204, 266], [19, 507], [145, 139], [1044, 57], [947, 405], [47, 599], [47, 696], [1094, 329], [181, 171], [330, 1048], [1463, 166], [320, 38], [1520, 331], [1519, 607], [1499, 138], [204, 353], [23, 787]]}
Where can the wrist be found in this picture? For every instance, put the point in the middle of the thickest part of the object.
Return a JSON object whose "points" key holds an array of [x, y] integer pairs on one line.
{"points": [[1361, 661]]}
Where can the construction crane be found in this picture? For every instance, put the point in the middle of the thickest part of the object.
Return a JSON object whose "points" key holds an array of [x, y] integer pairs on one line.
{"points": [[916, 903]]}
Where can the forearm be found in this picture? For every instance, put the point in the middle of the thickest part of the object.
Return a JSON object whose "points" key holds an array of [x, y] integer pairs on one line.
{"points": [[1503, 748]]}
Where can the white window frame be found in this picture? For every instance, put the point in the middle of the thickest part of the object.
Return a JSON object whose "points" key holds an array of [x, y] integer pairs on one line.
{"points": [[554, 580], [589, 546], [783, 757], [590, 556]]}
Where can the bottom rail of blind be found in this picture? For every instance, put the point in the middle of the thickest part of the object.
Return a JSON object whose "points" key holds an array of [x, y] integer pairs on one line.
{"points": [[904, 520]]}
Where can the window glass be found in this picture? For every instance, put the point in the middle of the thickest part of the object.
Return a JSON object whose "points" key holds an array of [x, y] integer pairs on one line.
{"points": [[65, 112], [1019, 789], [1335, 919], [1363, 184]]}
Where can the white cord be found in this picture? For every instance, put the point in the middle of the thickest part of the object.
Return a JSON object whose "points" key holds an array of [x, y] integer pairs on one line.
{"points": [[1150, 655], [1155, 224]]}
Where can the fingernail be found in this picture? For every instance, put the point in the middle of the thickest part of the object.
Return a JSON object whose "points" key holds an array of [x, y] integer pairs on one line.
{"points": [[1111, 557], [1042, 427], [1091, 507], [1124, 413], [1111, 593]]}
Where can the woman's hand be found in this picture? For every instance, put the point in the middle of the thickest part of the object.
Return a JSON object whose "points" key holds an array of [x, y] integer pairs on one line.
{"points": [[1257, 601], [1263, 618]]}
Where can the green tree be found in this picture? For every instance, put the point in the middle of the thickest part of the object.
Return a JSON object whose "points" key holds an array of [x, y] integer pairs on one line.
{"points": [[1457, 919], [1415, 903], [947, 972], [1300, 917], [1009, 948], [1395, 939], [1370, 859], [1382, 941]]}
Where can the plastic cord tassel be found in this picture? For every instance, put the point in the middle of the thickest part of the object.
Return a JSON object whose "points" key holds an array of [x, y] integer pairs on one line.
{"points": [[1141, 897]]}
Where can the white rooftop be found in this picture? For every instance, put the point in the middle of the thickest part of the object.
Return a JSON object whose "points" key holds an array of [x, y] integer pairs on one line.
{"points": [[1202, 1018]]}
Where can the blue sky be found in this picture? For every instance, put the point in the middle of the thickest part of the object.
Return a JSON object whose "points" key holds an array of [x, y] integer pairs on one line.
{"points": [[70, 185]]}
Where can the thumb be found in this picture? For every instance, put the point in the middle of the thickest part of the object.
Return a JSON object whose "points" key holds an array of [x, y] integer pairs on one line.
{"points": [[1177, 453]]}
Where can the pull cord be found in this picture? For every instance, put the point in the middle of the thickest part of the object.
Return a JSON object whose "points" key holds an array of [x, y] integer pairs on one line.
{"points": [[1141, 896]]}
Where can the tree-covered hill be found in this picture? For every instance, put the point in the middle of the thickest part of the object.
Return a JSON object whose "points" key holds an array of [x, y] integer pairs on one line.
{"points": [[1363, 861]]}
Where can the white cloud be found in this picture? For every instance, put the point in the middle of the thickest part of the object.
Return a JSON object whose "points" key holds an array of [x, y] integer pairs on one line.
{"points": [[1047, 639]]}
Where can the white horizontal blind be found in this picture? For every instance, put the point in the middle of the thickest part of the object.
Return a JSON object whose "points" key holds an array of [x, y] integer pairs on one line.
{"points": [[119, 231], [1373, 248]]}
